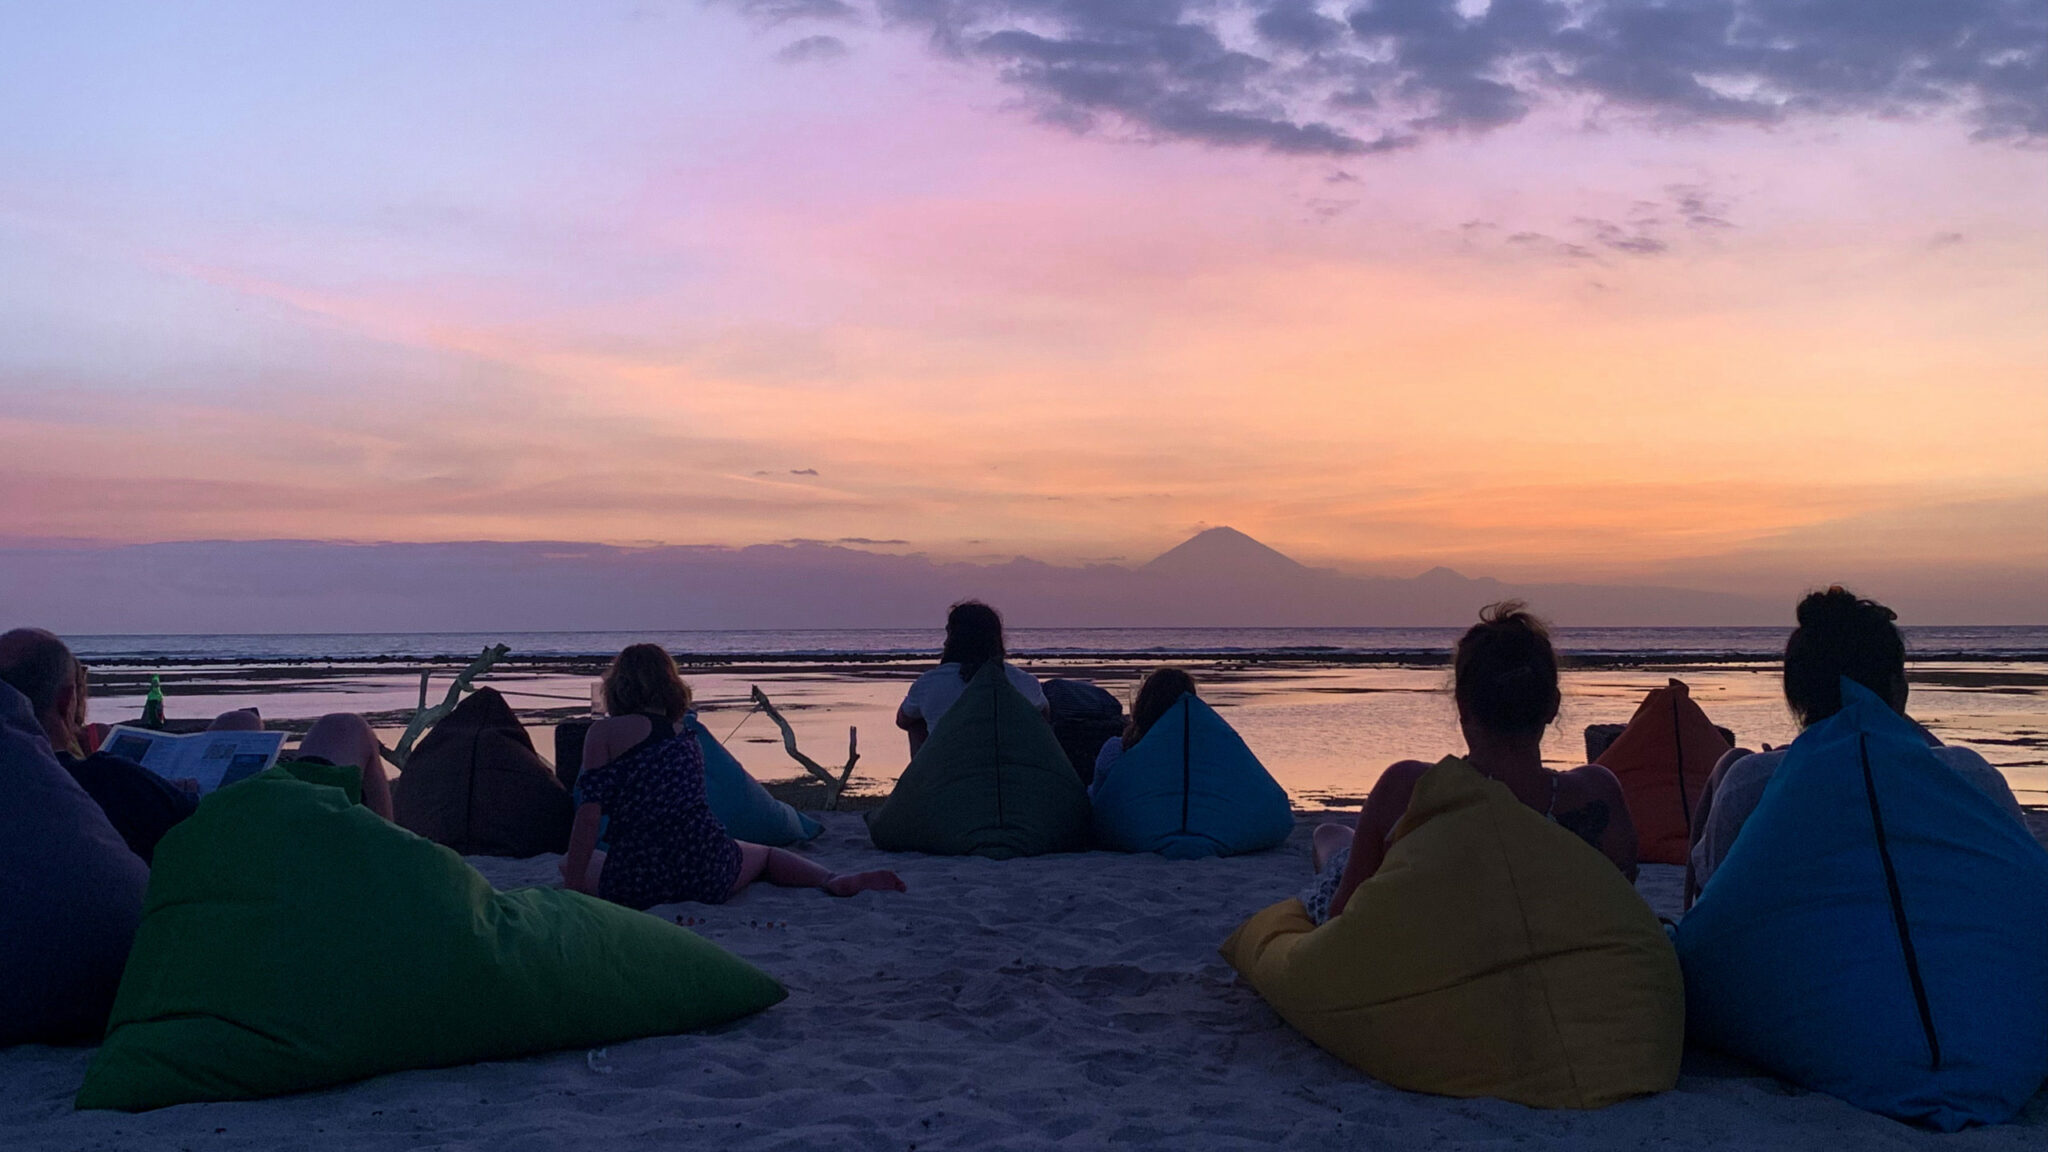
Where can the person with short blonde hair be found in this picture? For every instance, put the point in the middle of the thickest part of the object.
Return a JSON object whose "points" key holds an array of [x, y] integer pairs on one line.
{"points": [[643, 768]]}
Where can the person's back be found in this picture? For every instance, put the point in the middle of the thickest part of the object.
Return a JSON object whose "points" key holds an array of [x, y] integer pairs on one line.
{"points": [[1506, 687], [974, 636], [1839, 635], [643, 783], [646, 777], [1160, 692]]}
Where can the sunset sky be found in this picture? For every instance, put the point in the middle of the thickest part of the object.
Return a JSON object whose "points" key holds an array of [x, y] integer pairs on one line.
{"points": [[1722, 294]]}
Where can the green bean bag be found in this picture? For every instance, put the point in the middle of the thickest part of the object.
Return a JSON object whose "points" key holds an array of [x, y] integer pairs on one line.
{"points": [[991, 781], [292, 940]]}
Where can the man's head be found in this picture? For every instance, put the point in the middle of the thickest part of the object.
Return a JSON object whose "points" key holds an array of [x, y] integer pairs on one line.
{"points": [[38, 665]]}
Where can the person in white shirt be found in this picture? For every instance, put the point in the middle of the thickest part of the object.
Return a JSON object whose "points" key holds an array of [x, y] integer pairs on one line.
{"points": [[1838, 635], [974, 636]]}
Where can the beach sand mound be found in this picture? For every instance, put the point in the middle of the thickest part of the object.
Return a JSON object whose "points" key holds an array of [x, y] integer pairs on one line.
{"points": [[1063, 1001]]}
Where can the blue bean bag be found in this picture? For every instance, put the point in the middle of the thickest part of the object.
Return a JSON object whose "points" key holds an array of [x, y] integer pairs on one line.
{"points": [[1879, 931], [70, 892], [745, 808], [1190, 789]]}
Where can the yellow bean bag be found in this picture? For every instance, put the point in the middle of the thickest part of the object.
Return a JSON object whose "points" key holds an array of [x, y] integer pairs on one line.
{"points": [[1494, 954]]}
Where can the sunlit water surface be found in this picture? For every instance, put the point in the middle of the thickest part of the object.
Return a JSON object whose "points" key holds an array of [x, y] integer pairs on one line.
{"points": [[1325, 732]]}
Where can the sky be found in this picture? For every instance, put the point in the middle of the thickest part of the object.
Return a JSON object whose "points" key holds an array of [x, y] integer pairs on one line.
{"points": [[1743, 295]]}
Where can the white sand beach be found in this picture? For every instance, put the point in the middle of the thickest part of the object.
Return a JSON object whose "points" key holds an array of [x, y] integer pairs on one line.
{"points": [[1068, 1001]]}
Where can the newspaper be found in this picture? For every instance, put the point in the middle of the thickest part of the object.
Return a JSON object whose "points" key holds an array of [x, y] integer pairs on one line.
{"points": [[212, 759]]}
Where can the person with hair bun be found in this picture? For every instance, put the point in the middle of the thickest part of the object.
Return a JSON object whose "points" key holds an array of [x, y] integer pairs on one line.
{"points": [[1504, 678], [1839, 634], [644, 770]]}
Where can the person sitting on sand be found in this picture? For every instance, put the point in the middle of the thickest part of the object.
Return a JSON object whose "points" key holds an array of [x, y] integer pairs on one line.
{"points": [[1156, 696], [1839, 634], [974, 636], [140, 804], [645, 772], [1504, 675]]}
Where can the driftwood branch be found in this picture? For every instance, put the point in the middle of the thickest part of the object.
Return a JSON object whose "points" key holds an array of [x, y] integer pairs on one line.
{"points": [[835, 783], [427, 717]]}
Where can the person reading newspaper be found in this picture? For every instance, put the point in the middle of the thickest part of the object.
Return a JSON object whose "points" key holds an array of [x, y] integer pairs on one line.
{"points": [[143, 804]]}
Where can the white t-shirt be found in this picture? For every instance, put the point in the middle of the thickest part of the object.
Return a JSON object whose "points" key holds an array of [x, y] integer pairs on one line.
{"points": [[936, 690], [1743, 784]]}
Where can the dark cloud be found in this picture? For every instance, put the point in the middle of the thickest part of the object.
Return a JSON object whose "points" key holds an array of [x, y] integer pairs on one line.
{"points": [[1297, 24], [1320, 78], [1691, 212], [812, 48], [1945, 240], [784, 11], [803, 471], [1698, 206], [1635, 240]]}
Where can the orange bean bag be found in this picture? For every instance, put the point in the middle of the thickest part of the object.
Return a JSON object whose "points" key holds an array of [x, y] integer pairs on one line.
{"points": [[1662, 759]]}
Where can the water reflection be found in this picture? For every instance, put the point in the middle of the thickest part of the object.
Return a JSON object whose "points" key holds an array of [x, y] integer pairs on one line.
{"points": [[1324, 731]]}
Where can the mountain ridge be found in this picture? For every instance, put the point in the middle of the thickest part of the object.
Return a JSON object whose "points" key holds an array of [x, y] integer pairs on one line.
{"points": [[1225, 579]]}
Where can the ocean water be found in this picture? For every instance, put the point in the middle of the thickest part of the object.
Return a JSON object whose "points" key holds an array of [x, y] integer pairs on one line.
{"points": [[1325, 716], [1649, 643]]}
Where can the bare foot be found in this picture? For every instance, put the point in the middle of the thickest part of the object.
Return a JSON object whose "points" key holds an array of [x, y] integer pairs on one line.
{"points": [[852, 882]]}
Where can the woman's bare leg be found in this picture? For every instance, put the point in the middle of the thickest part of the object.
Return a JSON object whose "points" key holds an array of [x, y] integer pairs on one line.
{"points": [[1328, 839], [786, 869], [346, 738], [239, 720], [591, 872]]}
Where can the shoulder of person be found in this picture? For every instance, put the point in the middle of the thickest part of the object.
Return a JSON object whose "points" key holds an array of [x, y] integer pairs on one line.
{"points": [[1755, 767], [1402, 775], [1591, 782], [619, 732]]}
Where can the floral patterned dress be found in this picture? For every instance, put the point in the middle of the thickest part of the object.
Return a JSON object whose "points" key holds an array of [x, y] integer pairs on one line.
{"points": [[666, 845]]}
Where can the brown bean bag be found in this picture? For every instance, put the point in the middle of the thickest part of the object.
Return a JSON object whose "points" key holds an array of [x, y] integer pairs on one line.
{"points": [[476, 785], [1663, 759]]}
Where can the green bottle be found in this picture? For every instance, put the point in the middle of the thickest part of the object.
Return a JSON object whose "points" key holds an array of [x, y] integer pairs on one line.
{"points": [[153, 705]]}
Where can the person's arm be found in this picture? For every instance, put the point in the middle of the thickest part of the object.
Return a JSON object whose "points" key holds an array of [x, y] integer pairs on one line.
{"points": [[910, 716], [1618, 842], [1033, 691], [582, 842], [910, 713], [1384, 807]]}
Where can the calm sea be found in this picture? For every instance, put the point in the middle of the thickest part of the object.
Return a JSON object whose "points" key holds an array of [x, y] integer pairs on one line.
{"points": [[2006, 643]]}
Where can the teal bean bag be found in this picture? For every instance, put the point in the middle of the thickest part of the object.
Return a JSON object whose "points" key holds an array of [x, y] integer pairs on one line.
{"points": [[746, 809], [1191, 788], [1879, 931], [293, 940], [991, 781], [70, 892]]}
